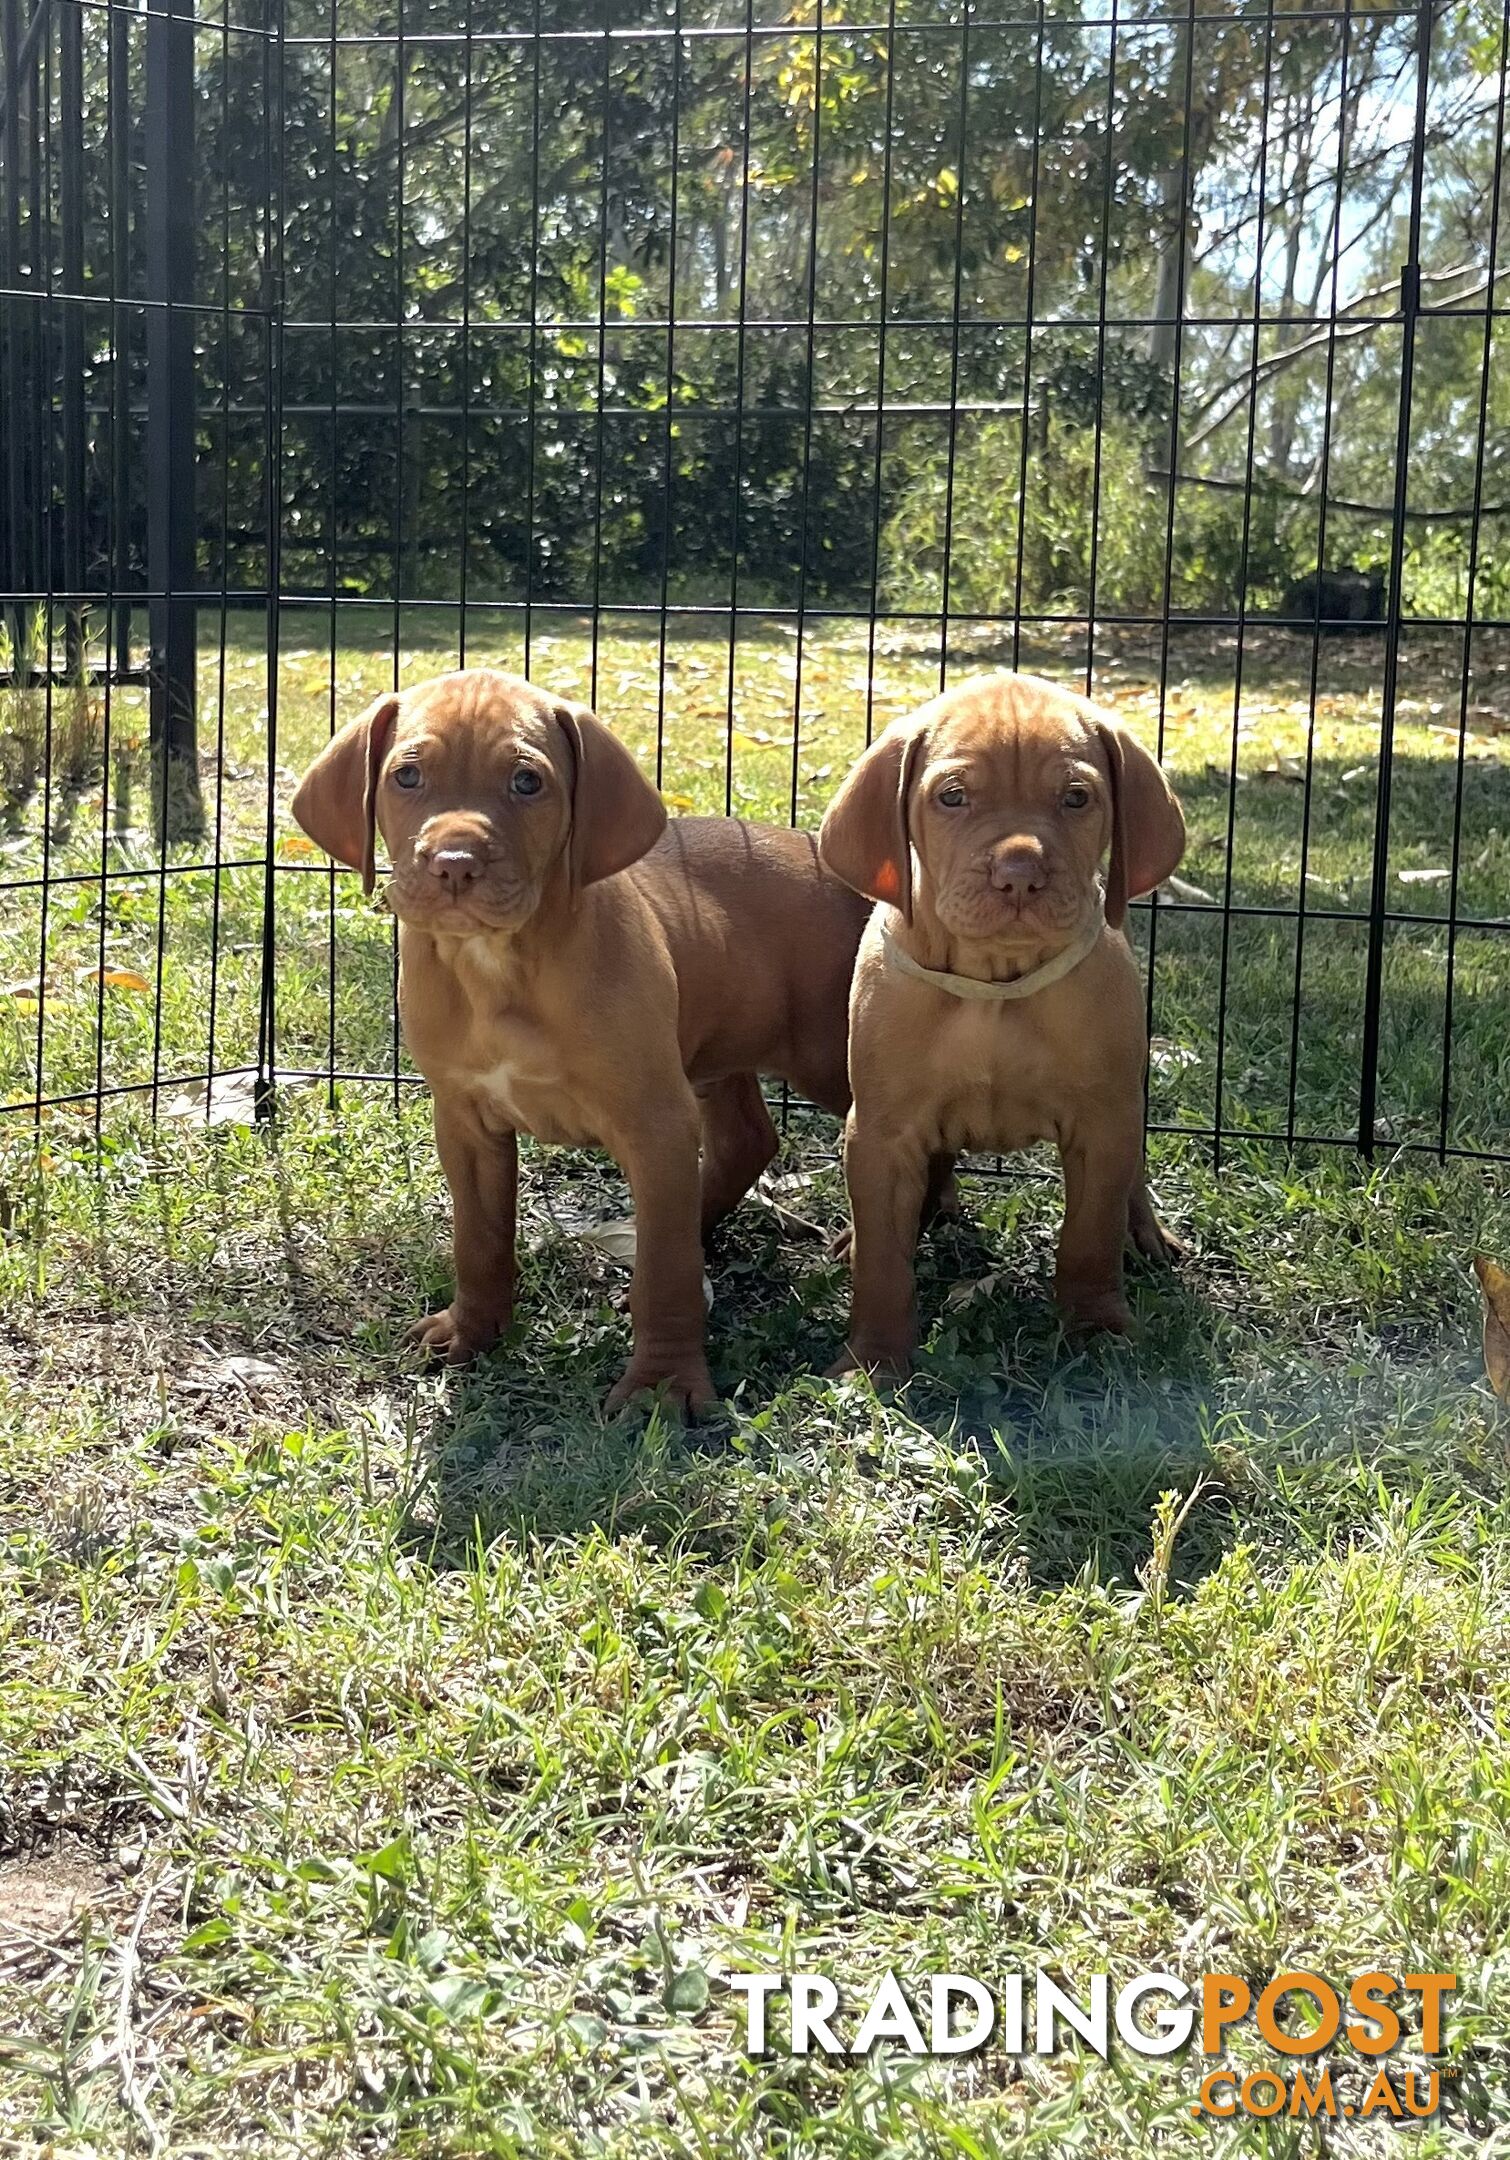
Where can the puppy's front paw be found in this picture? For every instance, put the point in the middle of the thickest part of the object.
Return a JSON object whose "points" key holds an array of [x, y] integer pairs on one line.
{"points": [[1106, 1311], [883, 1361], [684, 1384], [452, 1337]]}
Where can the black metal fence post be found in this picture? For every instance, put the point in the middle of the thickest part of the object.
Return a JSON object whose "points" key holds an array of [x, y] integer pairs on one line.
{"points": [[71, 388], [119, 111], [273, 300], [1378, 910], [14, 564], [170, 414]]}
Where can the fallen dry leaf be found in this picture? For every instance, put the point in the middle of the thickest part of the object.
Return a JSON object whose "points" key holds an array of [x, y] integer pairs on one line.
{"points": [[230, 1099], [617, 1239], [965, 1293], [120, 979], [236, 1370], [1494, 1281]]}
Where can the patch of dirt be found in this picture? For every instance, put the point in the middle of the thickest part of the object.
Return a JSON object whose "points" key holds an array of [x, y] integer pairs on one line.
{"points": [[150, 1370], [42, 1894]]}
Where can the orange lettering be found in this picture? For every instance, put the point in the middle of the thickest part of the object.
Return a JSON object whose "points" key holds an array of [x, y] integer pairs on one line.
{"points": [[1298, 1983], [1224, 1999], [1209, 2085], [1431, 1987], [1381, 2094], [1317, 2099], [1251, 2085], [1433, 2099], [1364, 1997]]}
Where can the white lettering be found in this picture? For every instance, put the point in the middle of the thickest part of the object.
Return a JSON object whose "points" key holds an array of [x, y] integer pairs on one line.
{"points": [[1053, 2004], [944, 2037]]}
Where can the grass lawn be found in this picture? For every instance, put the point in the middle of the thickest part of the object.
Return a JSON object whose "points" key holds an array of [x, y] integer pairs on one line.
{"points": [[397, 1763], [159, 927]]}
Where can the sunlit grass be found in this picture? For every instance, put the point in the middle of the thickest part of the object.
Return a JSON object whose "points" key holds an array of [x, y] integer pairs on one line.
{"points": [[425, 1752], [770, 737]]}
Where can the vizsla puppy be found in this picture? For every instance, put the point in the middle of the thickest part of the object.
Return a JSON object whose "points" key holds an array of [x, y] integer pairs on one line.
{"points": [[571, 968], [996, 1000]]}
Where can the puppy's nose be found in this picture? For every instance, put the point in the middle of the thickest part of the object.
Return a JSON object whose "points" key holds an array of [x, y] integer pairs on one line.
{"points": [[1019, 870], [455, 867]]}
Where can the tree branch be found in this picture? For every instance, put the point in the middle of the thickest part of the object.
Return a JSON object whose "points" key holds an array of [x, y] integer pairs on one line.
{"points": [[1333, 502], [1246, 383]]}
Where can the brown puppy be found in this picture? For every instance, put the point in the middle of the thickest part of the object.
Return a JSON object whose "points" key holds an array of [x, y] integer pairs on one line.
{"points": [[979, 824], [571, 968]]}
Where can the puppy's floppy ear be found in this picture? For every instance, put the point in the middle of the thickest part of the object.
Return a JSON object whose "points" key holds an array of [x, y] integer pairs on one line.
{"points": [[616, 815], [1148, 825], [865, 838], [336, 801]]}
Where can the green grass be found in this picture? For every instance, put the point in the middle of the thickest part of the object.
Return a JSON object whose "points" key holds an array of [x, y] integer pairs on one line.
{"points": [[416, 1735], [160, 927], [393, 1763]]}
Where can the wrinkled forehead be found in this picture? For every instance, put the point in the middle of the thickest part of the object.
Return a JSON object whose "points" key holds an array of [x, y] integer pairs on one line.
{"points": [[475, 717], [1015, 742]]}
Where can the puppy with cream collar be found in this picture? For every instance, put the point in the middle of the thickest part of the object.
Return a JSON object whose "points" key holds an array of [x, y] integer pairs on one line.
{"points": [[996, 1001]]}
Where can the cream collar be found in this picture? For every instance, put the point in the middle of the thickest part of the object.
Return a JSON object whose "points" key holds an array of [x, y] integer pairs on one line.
{"points": [[1023, 986]]}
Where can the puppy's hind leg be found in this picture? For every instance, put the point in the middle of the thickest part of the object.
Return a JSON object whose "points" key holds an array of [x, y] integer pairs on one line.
{"points": [[941, 1202], [1146, 1233], [738, 1143]]}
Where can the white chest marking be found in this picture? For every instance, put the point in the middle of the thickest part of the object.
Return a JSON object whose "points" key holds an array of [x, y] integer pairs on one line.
{"points": [[503, 1084], [486, 959]]}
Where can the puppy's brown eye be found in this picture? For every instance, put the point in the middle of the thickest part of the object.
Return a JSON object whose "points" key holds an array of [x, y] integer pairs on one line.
{"points": [[951, 797], [526, 781], [1075, 796], [407, 776]]}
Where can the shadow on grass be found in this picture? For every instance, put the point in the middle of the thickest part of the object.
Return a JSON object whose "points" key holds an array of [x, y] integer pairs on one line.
{"points": [[1064, 1449], [1316, 1322], [1077, 1436]]}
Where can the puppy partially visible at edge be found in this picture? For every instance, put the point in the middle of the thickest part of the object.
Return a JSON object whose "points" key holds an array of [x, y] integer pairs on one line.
{"points": [[978, 825], [571, 968]]}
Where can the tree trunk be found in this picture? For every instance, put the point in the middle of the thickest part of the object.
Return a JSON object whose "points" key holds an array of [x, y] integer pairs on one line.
{"points": [[1177, 224]]}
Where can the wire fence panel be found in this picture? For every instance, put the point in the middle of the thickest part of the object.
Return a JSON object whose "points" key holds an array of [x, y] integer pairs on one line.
{"points": [[752, 377]]}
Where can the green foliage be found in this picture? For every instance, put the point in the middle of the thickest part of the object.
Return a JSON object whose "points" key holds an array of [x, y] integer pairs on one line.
{"points": [[452, 417], [1094, 512], [1070, 526]]}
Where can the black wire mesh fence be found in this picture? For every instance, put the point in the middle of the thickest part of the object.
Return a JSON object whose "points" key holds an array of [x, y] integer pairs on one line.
{"points": [[752, 370]]}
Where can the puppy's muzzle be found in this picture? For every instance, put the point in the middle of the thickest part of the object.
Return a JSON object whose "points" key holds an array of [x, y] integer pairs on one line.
{"points": [[1019, 870], [455, 869]]}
